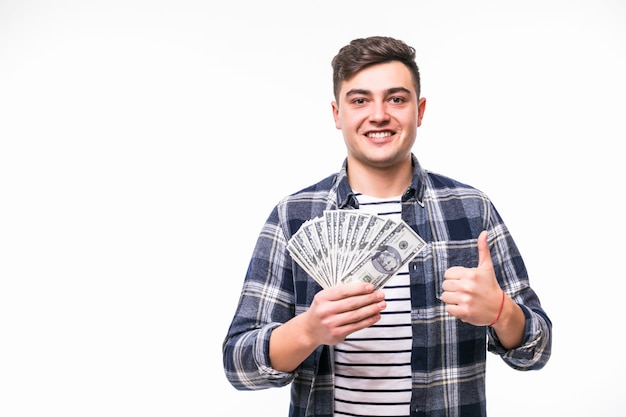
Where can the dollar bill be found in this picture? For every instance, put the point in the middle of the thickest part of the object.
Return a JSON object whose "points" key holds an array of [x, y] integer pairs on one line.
{"points": [[347, 245], [384, 260]]}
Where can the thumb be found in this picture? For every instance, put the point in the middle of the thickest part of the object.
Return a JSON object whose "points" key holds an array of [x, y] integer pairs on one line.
{"points": [[484, 256]]}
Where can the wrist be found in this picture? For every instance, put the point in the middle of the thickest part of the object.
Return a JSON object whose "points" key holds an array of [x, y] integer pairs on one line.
{"points": [[497, 318]]}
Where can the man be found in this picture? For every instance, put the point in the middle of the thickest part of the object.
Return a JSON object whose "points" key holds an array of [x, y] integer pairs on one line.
{"points": [[416, 347]]}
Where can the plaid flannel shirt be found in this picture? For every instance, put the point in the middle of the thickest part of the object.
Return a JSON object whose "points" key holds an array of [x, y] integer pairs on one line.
{"points": [[448, 356]]}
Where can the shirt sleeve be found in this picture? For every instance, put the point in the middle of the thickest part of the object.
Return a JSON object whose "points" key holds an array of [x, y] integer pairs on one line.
{"points": [[266, 301], [535, 349]]}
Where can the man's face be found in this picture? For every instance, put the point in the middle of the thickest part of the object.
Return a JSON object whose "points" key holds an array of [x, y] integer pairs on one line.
{"points": [[378, 112]]}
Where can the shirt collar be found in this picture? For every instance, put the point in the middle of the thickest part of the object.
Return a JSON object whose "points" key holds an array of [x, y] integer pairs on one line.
{"points": [[347, 199]]}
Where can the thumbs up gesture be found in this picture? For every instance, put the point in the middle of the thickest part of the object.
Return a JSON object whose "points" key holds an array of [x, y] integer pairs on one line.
{"points": [[473, 294]]}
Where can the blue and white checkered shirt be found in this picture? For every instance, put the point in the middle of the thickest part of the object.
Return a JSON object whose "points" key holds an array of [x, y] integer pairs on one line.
{"points": [[448, 356]]}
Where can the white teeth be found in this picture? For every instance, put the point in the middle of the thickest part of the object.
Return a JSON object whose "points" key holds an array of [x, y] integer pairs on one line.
{"points": [[379, 135]]}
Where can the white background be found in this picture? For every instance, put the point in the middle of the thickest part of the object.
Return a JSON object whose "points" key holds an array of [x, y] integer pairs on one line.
{"points": [[143, 144]]}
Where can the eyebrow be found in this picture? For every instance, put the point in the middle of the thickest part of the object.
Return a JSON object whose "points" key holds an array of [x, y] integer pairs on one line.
{"points": [[388, 91]]}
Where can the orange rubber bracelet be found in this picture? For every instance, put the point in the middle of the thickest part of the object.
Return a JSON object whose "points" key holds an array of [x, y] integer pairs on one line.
{"points": [[499, 311]]}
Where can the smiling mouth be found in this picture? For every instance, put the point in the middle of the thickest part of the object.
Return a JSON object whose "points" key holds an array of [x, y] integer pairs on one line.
{"points": [[378, 135]]}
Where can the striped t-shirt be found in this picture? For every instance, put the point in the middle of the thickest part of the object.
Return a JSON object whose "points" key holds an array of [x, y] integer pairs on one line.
{"points": [[373, 365]]}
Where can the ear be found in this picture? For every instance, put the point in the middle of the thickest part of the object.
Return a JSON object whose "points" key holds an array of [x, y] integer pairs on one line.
{"points": [[336, 114], [421, 108]]}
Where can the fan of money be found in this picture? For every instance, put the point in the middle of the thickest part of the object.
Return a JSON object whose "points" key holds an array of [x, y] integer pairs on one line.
{"points": [[349, 245]]}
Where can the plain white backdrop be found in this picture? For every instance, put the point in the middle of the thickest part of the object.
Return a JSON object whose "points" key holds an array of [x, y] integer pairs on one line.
{"points": [[143, 144]]}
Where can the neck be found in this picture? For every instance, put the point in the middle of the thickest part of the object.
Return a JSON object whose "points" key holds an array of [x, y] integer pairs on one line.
{"points": [[380, 182]]}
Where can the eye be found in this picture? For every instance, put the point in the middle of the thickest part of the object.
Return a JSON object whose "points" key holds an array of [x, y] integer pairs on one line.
{"points": [[359, 101], [397, 100]]}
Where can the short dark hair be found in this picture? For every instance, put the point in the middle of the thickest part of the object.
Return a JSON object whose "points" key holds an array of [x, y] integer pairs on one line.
{"points": [[364, 52]]}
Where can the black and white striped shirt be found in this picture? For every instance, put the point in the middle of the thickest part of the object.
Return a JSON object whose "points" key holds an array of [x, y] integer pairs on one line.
{"points": [[373, 365]]}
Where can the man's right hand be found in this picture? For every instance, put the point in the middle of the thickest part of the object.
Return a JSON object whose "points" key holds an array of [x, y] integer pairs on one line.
{"points": [[335, 313]]}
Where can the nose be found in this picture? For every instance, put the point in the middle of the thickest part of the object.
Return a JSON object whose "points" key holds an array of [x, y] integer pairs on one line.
{"points": [[379, 112]]}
